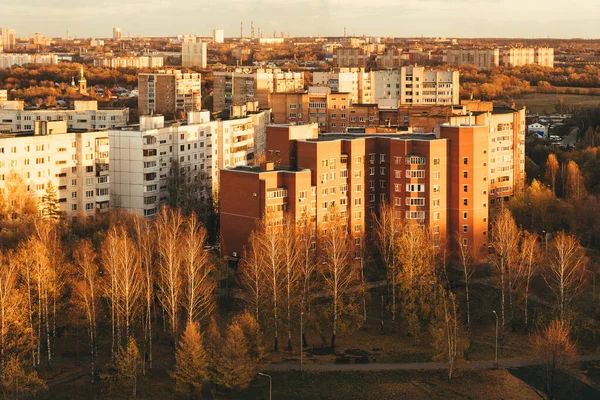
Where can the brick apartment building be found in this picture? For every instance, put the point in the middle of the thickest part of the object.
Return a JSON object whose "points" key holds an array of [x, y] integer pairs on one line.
{"points": [[443, 182]]}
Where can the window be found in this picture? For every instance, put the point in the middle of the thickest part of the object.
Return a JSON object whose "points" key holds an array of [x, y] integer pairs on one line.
{"points": [[324, 192], [357, 228], [89, 193], [372, 197], [465, 228], [465, 174], [397, 201], [382, 184], [436, 216], [357, 202], [465, 215], [359, 188], [465, 160], [465, 242], [415, 201], [371, 170], [324, 205], [302, 194], [415, 174], [436, 161], [415, 215], [74, 207], [381, 158], [357, 214], [415, 187], [358, 159], [465, 202], [89, 206], [465, 188], [372, 185], [382, 197], [382, 171], [436, 202], [416, 160], [357, 173], [436, 175], [397, 187]]}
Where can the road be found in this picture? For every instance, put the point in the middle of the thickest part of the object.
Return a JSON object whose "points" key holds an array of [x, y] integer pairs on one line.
{"points": [[417, 366]]}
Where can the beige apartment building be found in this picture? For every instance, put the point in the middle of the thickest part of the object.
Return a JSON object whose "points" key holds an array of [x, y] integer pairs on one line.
{"points": [[76, 163], [194, 54], [8, 39], [482, 58], [85, 115], [8, 60], [171, 93], [244, 85], [129, 62], [350, 57], [143, 156], [421, 86]]}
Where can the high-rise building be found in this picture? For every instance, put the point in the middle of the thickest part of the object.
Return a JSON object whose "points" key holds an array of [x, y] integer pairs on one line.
{"points": [[117, 34], [130, 62], [218, 35], [7, 60], [75, 163], [145, 157], [481, 58], [246, 84], [420, 86], [8, 38], [193, 54], [518, 56], [170, 93]]}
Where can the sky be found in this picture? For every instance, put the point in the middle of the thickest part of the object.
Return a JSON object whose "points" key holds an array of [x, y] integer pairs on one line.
{"points": [[400, 18]]}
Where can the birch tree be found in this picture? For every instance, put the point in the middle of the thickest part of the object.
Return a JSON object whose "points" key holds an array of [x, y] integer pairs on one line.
{"points": [[529, 261], [551, 171], [291, 272], [566, 270], [466, 261], [307, 264], [251, 274]]}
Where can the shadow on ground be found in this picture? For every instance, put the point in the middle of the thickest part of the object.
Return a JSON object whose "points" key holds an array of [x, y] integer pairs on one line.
{"points": [[568, 386]]}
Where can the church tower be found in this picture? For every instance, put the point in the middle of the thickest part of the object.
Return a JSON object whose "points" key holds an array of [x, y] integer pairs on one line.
{"points": [[82, 82]]}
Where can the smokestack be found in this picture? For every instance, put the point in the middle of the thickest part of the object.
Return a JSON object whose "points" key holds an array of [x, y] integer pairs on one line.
{"points": [[241, 30], [252, 30]]}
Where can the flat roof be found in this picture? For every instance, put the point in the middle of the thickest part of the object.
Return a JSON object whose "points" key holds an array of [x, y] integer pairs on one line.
{"points": [[348, 136]]}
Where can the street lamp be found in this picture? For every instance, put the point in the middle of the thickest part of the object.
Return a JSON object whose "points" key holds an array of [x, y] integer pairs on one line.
{"points": [[496, 358], [270, 383]]}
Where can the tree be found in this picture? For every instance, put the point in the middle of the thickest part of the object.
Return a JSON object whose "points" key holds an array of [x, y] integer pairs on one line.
{"points": [[529, 260], [337, 269], [191, 365], [251, 272], [505, 241], [123, 372], [553, 346], [307, 263], [387, 232], [198, 283], [18, 383], [291, 273], [466, 261], [170, 259], [575, 186], [13, 320], [552, 171], [86, 290], [447, 332], [566, 270], [49, 205]]}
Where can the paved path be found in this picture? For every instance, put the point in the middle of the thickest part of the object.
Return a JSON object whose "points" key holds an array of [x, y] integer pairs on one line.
{"points": [[417, 366]]}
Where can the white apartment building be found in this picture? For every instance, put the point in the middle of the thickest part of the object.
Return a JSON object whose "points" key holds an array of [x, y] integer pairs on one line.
{"points": [[143, 155], [193, 54], [7, 60], [218, 35], [420, 86], [75, 163], [84, 116], [117, 33], [355, 81], [130, 62]]}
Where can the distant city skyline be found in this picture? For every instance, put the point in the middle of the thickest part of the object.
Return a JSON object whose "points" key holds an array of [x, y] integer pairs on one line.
{"points": [[400, 18]]}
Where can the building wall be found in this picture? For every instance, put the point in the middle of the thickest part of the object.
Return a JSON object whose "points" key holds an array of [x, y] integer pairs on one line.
{"points": [[75, 163], [7, 60], [170, 93], [482, 58], [193, 54], [130, 62]]}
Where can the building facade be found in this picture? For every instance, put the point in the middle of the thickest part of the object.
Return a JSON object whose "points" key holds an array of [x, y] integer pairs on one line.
{"points": [[8, 39], [85, 115], [194, 54], [75, 163], [170, 93], [144, 157], [7, 60], [130, 62], [218, 35], [481, 58]]}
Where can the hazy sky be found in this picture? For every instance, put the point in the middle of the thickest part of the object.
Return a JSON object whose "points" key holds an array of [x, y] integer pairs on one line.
{"points": [[450, 18]]}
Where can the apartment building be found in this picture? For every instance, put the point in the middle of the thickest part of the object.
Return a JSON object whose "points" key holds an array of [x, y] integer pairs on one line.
{"points": [[143, 157], [8, 39], [481, 58], [244, 85], [218, 35], [420, 86], [518, 56], [391, 58], [129, 62], [307, 175], [85, 115], [194, 54], [170, 93], [76, 164], [117, 34], [7, 60], [350, 57], [430, 86]]}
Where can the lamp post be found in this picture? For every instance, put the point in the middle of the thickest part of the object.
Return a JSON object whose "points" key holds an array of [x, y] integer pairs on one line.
{"points": [[270, 383], [496, 357]]}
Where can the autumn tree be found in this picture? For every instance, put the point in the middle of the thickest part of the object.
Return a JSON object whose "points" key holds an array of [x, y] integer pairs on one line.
{"points": [[387, 232], [17, 383], [13, 318], [290, 257], [566, 270], [251, 272], [337, 269], [553, 346], [49, 205], [529, 258], [466, 261], [170, 259], [307, 263], [575, 186], [191, 365], [198, 283], [505, 241], [87, 292], [552, 171], [122, 374], [447, 332]]}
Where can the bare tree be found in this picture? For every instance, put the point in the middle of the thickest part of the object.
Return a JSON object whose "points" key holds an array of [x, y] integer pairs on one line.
{"points": [[529, 260], [251, 273], [86, 290], [170, 259], [110, 263], [464, 256], [339, 274], [307, 262], [13, 319], [566, 270], [447, 332], [387, 233], [290, 258], [505, 241], [198, 283]]}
